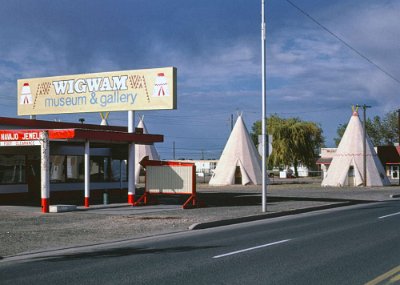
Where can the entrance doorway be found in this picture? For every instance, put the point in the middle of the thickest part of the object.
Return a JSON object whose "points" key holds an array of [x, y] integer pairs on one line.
{"points": [[350, 176]]}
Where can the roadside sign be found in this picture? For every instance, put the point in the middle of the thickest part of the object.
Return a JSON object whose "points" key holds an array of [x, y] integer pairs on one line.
{"points": [[131, 90]]}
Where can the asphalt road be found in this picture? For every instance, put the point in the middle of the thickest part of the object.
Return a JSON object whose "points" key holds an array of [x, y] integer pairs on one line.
{"points": [[352, 245]]}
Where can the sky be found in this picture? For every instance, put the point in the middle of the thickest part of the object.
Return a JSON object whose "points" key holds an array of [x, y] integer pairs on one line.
{"points": [[322, 57]]}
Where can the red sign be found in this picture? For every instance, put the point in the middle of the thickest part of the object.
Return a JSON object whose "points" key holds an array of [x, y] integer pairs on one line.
{"points": [[15, 135]]}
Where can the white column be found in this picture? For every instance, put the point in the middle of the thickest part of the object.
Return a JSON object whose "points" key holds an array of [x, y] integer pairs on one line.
{"points": [[87, 173], [131, 160], [44, 171]]}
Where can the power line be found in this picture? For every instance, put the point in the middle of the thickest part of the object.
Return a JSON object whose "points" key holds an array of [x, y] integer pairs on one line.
{"points": [[344, 42]]}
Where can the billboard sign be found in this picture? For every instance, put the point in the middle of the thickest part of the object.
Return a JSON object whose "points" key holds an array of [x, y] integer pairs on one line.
{"points": [[145, 89]]}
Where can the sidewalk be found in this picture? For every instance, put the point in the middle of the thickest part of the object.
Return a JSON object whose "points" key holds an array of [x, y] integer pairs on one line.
{"points": [[26, 229]]}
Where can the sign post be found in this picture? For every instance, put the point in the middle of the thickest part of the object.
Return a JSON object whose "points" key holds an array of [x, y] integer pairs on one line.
{"points": [[131, 161], [87, 173], [44, 171]]}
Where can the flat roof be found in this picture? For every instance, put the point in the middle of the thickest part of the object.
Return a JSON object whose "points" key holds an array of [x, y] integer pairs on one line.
{"points": [[80, 135], [17, 129]]}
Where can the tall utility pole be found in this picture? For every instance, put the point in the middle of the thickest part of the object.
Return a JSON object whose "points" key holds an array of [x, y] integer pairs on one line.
{"points": [[398, 116], [263, 115], [364, 143]]}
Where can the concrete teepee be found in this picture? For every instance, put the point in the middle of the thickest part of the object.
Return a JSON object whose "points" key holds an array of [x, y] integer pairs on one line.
{"points": [[142, 151], [239, 163], [347, 167]]}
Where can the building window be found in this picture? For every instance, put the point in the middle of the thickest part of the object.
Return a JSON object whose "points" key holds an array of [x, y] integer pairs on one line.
{"points": [[75, 168], [395, 172], [12, 169], [118, 170], [57, 169], [71, 168]]}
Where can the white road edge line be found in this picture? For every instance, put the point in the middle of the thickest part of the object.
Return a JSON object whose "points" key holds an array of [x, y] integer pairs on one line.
{"points": [[251, 248], [394, 214]]}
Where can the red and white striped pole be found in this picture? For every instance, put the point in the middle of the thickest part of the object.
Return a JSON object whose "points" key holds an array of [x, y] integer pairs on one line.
{"points": [[131, 160], [87, 173], [44, 171]]}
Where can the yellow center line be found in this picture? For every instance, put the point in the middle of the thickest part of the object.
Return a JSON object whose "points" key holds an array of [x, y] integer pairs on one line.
{"points": [[390, 277]]}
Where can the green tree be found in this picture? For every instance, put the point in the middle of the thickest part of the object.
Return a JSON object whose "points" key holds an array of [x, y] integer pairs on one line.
{"points": [[390, 132], [255, 131], [294, 141]]}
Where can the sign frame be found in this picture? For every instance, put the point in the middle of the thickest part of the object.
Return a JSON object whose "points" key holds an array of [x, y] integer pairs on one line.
{"points": [[130, 90]]}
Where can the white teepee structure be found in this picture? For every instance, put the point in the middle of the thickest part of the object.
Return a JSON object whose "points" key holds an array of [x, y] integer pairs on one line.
{"points": [[239, 160], [142, 151], [347, 166]]}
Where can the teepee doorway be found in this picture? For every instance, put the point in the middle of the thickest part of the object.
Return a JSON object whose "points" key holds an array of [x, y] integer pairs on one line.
{"points": [[238, 175], [351, 177]]}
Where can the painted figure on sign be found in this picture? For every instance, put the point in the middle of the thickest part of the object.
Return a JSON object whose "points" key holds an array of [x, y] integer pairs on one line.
{"points": [[160, 86], [26, 95]]}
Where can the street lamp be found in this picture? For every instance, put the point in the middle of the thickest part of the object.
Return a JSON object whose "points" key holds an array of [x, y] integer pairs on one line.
{"points": [[263, 115]]}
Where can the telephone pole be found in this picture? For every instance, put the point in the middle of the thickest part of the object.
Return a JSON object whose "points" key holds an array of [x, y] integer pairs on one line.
{"points": [[364, 143], [398, 131]]}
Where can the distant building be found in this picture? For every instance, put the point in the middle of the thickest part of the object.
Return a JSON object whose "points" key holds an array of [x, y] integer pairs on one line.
{"points": [[203, 166], [388, 155], [325, 160], [390, 158]]}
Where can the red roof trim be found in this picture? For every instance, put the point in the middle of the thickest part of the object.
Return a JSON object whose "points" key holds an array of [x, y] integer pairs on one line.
{"points": [[80, 135], [147, 162], [108, 136]]}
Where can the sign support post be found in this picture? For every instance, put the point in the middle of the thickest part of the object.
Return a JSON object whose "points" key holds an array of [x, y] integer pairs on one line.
{"points": [[44, 171], [87, 173], [131, 160]]}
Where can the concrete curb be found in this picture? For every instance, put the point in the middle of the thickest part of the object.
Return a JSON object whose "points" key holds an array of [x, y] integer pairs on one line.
{"points": [[207, 225]]}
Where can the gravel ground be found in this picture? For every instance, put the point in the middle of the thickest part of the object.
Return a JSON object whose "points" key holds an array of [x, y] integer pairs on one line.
{"points": [[25, 229]]}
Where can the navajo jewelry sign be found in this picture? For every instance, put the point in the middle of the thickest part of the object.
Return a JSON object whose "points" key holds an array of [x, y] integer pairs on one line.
{"points": [[146, 89]]}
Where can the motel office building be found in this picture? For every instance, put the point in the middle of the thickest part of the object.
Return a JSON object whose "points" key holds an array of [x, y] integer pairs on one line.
{"points": [[20, 161]]}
